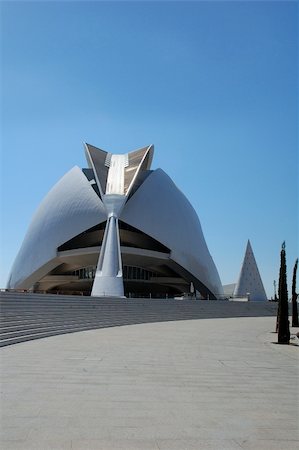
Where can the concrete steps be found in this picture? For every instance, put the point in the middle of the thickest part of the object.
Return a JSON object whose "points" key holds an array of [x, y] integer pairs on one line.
{"points": [[26, 316]]}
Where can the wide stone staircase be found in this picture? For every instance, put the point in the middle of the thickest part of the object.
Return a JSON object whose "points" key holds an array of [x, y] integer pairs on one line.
{"points": [[27, 316]]}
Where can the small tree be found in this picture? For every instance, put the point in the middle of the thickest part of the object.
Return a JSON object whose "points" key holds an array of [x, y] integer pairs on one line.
{"points": [[278, 307], [278, 310], [277, 316], [295, 322], [283, 305]]}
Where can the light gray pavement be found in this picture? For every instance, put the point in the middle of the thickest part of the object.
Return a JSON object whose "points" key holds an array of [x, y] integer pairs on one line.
{"points": [[213, 384]]}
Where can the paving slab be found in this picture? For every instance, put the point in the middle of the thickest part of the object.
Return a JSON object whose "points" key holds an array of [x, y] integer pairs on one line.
{"points": [[213, 384]]}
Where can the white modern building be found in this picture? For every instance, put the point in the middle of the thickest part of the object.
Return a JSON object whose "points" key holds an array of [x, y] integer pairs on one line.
{"points": [[116, 228], [249, 283]]}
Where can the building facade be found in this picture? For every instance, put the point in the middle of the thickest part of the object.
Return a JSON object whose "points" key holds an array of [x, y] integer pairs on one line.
{"points": [[116, 228]]}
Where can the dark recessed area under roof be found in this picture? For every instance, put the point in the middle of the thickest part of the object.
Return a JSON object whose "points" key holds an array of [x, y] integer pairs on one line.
{"points": [[129, 237]]}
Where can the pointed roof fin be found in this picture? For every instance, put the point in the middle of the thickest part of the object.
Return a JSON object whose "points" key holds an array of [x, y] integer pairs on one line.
{"points": [[96, 159], [129, 165]]}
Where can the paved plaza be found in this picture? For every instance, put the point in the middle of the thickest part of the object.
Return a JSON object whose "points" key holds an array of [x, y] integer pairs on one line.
{"points": [[211, 384]]}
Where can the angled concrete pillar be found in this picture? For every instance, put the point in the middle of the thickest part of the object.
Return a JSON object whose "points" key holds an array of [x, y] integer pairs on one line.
{"points": [[115, 176], [108, 278]]}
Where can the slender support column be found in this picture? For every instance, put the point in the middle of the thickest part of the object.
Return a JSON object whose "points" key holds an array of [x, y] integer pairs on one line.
{"points": [[114, 186], [109, 278]]}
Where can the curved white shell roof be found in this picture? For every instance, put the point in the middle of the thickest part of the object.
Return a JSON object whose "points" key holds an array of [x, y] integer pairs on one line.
{"points": [[68, 209], [168, 217], [158, 208]]}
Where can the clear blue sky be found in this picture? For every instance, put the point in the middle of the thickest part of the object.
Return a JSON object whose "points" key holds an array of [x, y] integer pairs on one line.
{"points": [[213, 85]]}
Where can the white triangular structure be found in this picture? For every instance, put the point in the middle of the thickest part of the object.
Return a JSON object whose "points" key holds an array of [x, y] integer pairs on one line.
{"points": [[250, 283]]}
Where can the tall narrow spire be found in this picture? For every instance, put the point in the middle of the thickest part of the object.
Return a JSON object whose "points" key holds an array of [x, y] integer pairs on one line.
{"points": [[250, 281]]}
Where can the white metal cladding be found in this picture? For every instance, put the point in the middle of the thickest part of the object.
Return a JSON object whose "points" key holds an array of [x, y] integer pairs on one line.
{"points": [[68, 209], [161, 210]]}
